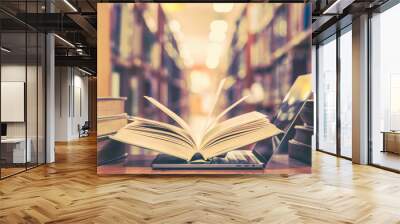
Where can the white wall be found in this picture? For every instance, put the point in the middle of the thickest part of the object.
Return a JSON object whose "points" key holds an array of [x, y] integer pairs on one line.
{"points": [[80, 105], [33, 127], [16, 73], [71, 102], [61, 103]]}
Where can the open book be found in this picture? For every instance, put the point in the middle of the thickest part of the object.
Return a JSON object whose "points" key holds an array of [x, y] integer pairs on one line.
{"points": [[217, 137]]}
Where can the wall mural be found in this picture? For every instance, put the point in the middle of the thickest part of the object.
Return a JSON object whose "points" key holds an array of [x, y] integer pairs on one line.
{"points": [[216, 88]]}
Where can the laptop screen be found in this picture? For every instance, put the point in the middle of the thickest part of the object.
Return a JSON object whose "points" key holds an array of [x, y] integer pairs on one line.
{"points": [[293, 102], [3, 129], [287, 114]]}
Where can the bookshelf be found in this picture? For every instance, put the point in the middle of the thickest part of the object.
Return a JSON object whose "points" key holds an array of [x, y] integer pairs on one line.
{"points": [[145, 60], [270, 47], [138, 56]]}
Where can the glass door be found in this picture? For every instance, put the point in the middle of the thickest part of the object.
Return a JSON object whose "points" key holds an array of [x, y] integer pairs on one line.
{"points": [[334, 94], [22, 77], [14, 145], [385, 90]]}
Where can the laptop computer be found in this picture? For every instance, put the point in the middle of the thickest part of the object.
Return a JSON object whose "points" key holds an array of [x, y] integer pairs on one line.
{"points": [[261, 152]]}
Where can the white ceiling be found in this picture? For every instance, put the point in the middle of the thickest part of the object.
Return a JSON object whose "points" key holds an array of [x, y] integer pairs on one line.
{"points": [[194, 20]]}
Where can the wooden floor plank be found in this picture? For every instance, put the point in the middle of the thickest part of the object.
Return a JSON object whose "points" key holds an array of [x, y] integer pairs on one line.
{"points": [[70, 191]]}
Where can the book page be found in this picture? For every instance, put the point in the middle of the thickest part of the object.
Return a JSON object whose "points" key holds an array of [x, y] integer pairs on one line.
{"points": [[237, 132], [228, 125], [162, 127], [231, 133], [214, 105], [157, 136], [170, 113], [150, 142], [240, 140], [223, 113]]}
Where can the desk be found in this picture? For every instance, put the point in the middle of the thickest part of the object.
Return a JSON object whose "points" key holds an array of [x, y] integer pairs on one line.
{"points": [[16, 147], [391, 141]]}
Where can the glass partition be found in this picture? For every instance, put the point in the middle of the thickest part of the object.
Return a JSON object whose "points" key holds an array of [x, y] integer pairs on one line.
{"points": [[31, 97], [22, 88], [327, 95], [385, 89], [41, 97], [14, 153], [346, 93]]}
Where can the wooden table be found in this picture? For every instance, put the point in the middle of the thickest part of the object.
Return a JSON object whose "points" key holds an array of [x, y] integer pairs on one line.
{"points": [[391, 141], [16, 146]]}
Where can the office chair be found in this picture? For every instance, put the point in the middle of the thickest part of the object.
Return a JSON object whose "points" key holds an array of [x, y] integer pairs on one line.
{"points": [[84, 130]]}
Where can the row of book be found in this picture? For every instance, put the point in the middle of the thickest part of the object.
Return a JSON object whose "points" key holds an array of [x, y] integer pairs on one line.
{"points": [[290, 24], [144, 62], [150, 65], [280, 51]]}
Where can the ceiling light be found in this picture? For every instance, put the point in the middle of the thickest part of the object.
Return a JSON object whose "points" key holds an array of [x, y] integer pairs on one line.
{"points": [[217, 36], [64, 40], [174, 26], [222, 7], [84, 71], [219, 26], [5, 50], [337, 7], [70, 5]]}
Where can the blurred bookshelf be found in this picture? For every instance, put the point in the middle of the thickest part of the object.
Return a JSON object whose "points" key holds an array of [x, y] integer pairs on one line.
{"points": [[270, 47], [145, 60]]}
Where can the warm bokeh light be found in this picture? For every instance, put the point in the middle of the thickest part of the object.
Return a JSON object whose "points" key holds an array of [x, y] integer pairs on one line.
{"points": [[212, 61], [214, 49], [219, 26], [179, 36], [222, 7], [187, 57], [230, 81], [217, 36], [256, 93], [189, 62], [175, 26], [199, 81], [172, 7]]}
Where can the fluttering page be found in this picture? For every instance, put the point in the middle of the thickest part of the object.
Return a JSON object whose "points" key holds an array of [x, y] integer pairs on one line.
{"points": [[204, 88]]}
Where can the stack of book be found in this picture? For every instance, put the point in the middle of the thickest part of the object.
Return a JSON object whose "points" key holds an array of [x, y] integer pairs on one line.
{"points": [[300, 145], [111, 117]]}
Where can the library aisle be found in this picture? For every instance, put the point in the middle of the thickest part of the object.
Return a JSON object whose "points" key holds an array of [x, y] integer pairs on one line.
{"points": [[182, 51], [178, 53]]}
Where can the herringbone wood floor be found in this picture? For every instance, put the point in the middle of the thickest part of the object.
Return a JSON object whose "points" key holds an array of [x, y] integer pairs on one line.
{"points": [[70, 191]]}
